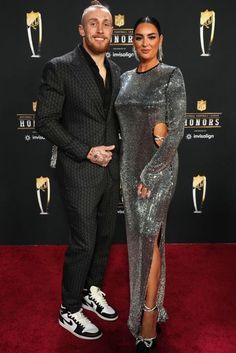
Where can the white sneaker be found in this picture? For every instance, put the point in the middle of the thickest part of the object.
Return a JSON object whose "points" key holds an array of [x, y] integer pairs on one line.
{"points": [[78, 324], [94, 300]]}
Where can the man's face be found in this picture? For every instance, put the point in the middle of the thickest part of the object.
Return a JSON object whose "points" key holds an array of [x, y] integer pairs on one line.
{"points": [[96, 30]]}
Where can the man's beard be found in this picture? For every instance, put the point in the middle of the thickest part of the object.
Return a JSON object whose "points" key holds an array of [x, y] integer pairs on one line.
{"points": [[97, 49]]}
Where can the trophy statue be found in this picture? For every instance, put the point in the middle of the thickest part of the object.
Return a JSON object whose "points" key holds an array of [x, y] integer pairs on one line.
{"points": [[207, 22], [34, 22], [199, 184], [43, 186]]}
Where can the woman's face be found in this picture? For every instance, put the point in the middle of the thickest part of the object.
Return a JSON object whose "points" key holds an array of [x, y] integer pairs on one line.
{"points": [[146, 41]]}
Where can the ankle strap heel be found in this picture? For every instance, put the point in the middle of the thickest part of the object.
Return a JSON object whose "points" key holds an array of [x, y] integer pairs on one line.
{"points": [[143, 345]]}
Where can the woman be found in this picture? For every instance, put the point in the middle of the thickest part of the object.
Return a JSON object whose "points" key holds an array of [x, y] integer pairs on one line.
{"points": [[151, 109]]}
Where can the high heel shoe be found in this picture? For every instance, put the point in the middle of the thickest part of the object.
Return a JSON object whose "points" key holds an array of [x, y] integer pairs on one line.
{"points": [[144, 345]]}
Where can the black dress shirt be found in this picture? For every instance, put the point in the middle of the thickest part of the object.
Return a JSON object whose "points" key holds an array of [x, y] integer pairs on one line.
{"points": [[104, 89]]}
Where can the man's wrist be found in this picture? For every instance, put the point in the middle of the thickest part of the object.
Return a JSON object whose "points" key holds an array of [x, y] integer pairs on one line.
{"points": [[90, 154]]}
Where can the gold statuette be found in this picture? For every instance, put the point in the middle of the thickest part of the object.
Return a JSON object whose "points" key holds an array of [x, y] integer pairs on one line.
{"points": [[43, 186], [207, 22], [34, 22], [199, 183]]}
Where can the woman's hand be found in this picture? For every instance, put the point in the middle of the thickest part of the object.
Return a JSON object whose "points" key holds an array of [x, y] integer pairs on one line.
{"points": [[143, 192]]}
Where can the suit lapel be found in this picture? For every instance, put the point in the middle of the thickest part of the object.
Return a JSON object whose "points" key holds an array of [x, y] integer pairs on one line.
{"points": [[85, 76]]}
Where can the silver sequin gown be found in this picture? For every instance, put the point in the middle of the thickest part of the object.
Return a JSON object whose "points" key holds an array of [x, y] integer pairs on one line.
{"points": [[157, 95]]}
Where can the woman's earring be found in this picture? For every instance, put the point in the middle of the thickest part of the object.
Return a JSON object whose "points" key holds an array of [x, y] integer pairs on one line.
{"points": [[160, 53], [135, 53]]}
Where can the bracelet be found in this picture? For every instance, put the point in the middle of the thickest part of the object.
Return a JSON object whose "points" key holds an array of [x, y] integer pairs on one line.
{"points": [[159, 138]]}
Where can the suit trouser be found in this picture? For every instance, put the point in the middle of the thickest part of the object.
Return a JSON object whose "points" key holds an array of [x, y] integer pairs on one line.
{"points": [[92, 215]]}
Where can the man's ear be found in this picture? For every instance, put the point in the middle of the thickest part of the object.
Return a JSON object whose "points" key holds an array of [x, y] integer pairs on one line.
{"points": [[81, 30]]}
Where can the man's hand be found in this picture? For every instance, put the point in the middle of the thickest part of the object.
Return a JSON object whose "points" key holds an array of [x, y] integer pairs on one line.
{"points": [[143, 192], [101, 155]]}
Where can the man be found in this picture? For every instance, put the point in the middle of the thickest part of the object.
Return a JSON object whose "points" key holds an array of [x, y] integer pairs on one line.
{"points": [[75, 112]]}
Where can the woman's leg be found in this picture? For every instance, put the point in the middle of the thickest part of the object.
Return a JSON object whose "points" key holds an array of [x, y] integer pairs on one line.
{"points": [[149, 320]]}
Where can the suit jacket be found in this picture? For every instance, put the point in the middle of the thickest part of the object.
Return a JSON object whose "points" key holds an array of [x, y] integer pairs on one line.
{"points": [[70, 114]]}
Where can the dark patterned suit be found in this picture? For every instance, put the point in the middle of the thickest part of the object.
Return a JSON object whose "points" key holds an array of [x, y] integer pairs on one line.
{"points": [[71, 115]]}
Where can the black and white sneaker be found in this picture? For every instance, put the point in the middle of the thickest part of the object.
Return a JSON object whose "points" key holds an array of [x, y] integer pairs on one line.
{"points": [[78, 324], [94, 300]]}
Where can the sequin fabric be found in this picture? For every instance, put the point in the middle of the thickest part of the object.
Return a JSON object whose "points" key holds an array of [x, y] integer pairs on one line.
{"points": [[145, 99]]}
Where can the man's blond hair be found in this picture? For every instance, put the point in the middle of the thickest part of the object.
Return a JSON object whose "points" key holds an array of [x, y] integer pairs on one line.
{"points": [[94, 5]]}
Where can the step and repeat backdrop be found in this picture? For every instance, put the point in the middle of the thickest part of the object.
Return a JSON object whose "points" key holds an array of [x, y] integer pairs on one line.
{"points": [[198, 38]]}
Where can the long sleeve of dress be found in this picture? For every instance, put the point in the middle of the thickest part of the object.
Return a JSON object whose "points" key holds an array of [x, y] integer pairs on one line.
{"points": [[49, 114], [175, 111]]}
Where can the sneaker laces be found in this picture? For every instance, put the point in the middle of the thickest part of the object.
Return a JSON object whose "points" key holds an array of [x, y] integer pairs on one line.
{"points": [[99, 297], [79, 318]]}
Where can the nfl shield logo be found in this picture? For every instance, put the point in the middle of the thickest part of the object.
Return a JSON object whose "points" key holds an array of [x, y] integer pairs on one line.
{"points": [[119, 20], [201, 105]]}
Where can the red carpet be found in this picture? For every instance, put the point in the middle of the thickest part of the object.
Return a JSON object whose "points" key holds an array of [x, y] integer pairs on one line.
{"points": [[200, 299]]}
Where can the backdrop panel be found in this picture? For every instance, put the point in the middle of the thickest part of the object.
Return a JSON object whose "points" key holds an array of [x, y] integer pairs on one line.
{"points": [[198, 38]]}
